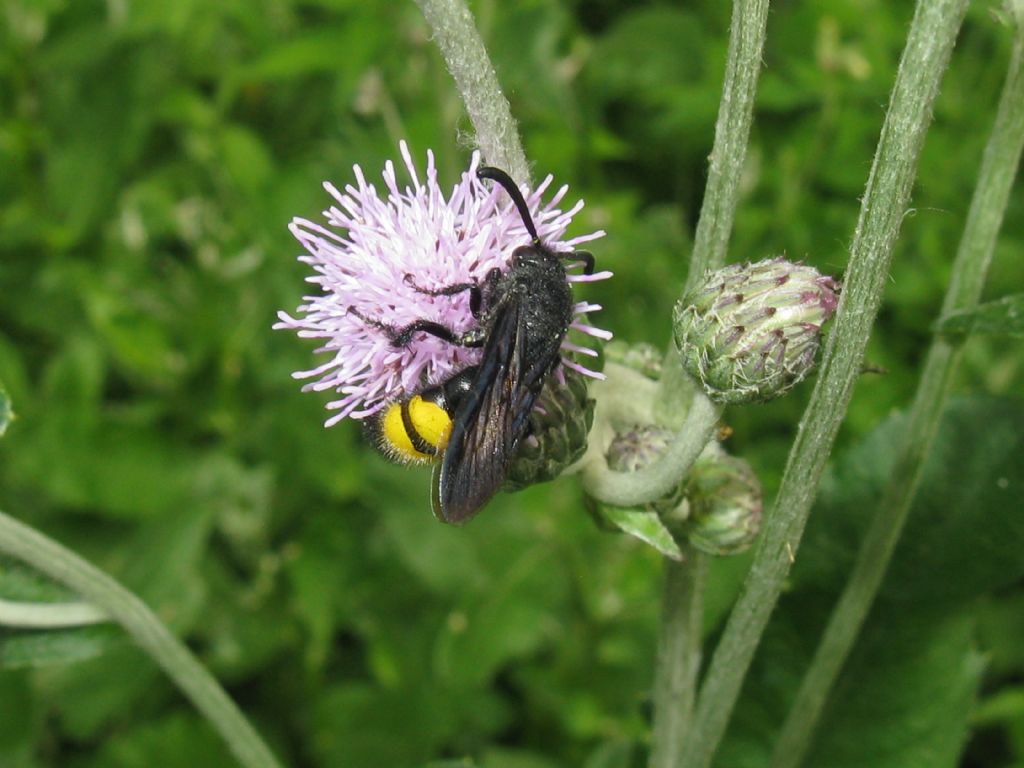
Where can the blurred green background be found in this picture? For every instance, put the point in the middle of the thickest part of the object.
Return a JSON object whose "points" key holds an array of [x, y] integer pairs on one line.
{"points": [[151, 155]]}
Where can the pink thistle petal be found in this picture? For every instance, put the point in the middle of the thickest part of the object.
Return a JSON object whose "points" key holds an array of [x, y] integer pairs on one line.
{"points": [[583, 371], [590, 330], [570, 347], [590, 278]]}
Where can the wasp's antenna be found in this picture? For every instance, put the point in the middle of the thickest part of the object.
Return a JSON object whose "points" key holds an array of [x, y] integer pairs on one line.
{"points": [[498, 175]]}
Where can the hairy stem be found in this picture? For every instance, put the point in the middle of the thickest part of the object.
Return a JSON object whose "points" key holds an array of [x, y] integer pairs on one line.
{"points": [[496, 132], [47, 556], [679, 641], [732, 130], [628, 489], [24, 615], [929, 45], [675, 679], [999, 164]]}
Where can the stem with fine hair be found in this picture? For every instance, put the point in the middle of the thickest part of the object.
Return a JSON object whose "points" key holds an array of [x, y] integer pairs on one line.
{"points": [[999, 164], [732, 130], [496, 132], [628, 489], [929, 45], [682, 602], [25, 615], [47, 556], [679, 636]]}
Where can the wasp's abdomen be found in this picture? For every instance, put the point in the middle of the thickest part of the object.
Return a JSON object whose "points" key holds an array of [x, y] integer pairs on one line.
{"points": [[414, 431]]}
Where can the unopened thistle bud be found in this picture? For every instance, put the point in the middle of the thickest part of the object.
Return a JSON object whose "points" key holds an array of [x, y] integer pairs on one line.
{"points": [[638, 447], [725, 505], [632, 450], [751, 332], [641, 357], [559, 425]]}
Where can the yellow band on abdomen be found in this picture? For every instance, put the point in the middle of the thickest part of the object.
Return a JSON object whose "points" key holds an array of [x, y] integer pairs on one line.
{"points": [[432, 426]]}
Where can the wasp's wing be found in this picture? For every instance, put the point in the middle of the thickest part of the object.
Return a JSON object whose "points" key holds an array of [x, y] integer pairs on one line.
{"points": [[489, 422]]}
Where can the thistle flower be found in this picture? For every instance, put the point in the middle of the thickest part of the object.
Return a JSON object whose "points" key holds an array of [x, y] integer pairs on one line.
{"points": [[370, 244], [751, 332]]}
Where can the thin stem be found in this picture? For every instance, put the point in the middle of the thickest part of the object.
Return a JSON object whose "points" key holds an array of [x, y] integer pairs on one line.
{"points": [[628, 489], [675, 679], [929, 45], [44, 554], [679, 641], [49, 615], [999, 164], [729, 152], [463, 50]]}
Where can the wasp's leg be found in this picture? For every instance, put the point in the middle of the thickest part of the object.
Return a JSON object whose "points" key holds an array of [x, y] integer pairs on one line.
{"points": [[476, 292], [400, 337], [486, 293], [586, 257], [448, 290]]}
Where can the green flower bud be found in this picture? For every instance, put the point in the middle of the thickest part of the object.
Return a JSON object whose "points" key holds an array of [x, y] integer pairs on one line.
{"points": [[559, 425], [751, 332], [631, 450], [641, 357], [725, 505], [639, 446]]}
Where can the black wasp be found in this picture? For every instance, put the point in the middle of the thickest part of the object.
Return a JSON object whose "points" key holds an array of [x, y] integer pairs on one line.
{"points": [[475, 421]]}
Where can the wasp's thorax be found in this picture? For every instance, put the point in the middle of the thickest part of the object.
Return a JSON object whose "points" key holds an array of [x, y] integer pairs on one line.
{"points": [[538, 274]]}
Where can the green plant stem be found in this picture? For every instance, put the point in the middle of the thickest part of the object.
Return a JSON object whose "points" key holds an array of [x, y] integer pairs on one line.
{"points": [[675, 679], [999, 164], [732, 130], [679, 642], [26, 615], [47, 556], [496, 132], [629, 489], [929, 45]]}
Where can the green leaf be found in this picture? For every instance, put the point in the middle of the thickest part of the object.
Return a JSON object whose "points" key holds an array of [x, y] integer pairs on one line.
{"points": [[1005, 706], [907, 691], [40, 648], [966, 521], [19, 582], [88, 697], [964, 524], [516, 758], [20, 722], [359, 724], [906, 694], [1001, 627], [1003, 317], [510, 619], [617, 753], [903, 699], [6, 414], [643, 525], [246, 157], [180, 740]]}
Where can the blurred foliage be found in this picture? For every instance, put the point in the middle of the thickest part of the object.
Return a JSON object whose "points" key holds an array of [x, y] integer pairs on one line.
{"points": [[151, 155]]}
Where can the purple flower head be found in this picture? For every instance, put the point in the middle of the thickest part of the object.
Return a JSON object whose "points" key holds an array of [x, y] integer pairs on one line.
{"points": [[371, 243]]}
